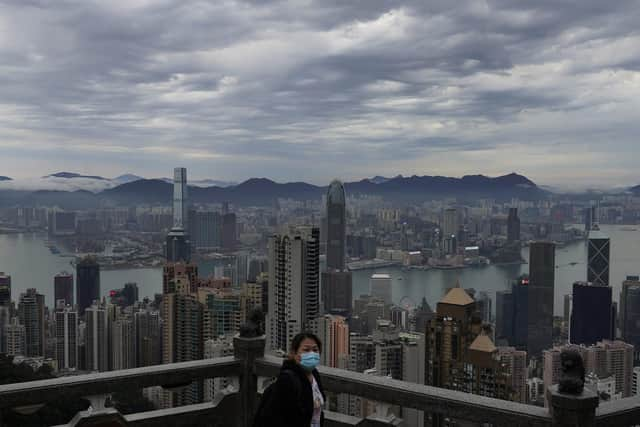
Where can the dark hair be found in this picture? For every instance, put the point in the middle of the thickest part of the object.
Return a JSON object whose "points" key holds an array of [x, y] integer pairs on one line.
{"points": [[297, 341]]}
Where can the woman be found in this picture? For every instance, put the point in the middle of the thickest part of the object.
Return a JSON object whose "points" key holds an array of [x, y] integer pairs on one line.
{"points": [[298, 395]]}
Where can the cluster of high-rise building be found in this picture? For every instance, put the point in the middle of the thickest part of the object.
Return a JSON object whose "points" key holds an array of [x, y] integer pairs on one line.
{"points": [[301, 280]]}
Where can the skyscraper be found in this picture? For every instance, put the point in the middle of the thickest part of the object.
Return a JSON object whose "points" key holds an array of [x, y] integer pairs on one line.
{"points": [[630, 313], [182, 332], [520, 289], [380, 287], [542, 268], [334, 334], [229, 231], [66, 337], [448, 337], [123, 354], [97, 338], [180, 199], [294, 294], [336, 226], [5, 289], [205, 229], [178, 244], [31, 313], [15, 334], [5, 318], [87, 283], [504, 316], [148, 338], [337, 291], [598, 257], [591, 319], [450, 223], [63, 287], [513, 225]]}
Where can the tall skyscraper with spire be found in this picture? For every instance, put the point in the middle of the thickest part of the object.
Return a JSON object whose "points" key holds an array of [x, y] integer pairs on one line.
{"points": [[178, 245], [336, 282], [598, 257], [336, 226], [180, 199]]}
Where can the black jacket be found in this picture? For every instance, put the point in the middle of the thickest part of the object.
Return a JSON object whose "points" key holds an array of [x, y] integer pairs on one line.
{"points": [[294, 396]]}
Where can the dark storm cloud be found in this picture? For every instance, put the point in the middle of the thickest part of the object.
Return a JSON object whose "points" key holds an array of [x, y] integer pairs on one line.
{"points": [[234, 89]]}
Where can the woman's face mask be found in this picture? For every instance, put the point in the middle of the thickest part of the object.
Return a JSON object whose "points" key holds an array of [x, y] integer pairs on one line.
{"points": [[309, 360]]}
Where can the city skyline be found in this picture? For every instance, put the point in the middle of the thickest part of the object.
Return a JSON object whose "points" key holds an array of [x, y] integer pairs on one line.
{"points": [[548, 90]]}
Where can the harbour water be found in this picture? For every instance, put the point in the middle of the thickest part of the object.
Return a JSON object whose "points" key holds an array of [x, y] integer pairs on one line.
{"points": [[31, 264]]}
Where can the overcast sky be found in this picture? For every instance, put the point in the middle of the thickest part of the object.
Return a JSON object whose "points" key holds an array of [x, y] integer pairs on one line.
{"points": [[303, 90]]}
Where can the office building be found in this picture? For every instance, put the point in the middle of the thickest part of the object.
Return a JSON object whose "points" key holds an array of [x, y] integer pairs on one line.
{"points": [[178, 246], [598, 257], [294, 291], [241, 268], [31, 312], [484, 307], [148, 337], [337, 288], [229, 231], [380, 287], [542, 268], [422, 316], [336, 226], [450, 223], [5, 289], [66, 324], [63, 287], [449, 335], [123, 344], [413, 366], [520, 290], [257, 266], [205, 229], [97, 338], [513, 226], [591, 315], [87, 283], [566, 309], [504, 317], [5, 319], [630, 314], [333, 332], [15, 336]]}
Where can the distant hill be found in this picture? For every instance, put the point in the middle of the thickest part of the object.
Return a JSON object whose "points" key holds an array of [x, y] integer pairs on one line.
{"points": [[71, 175], [5, 178], [128, 177], [262, 191], [635, 190]]}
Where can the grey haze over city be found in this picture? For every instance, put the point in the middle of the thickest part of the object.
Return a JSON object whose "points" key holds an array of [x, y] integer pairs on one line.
{"points": [[305, 91]]}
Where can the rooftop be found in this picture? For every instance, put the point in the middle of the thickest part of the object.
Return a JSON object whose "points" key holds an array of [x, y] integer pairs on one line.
{"points": [[457, 296]]}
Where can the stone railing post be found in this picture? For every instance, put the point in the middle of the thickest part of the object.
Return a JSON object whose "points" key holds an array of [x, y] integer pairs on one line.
{"points": [[248, 350], [573, 410]]}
